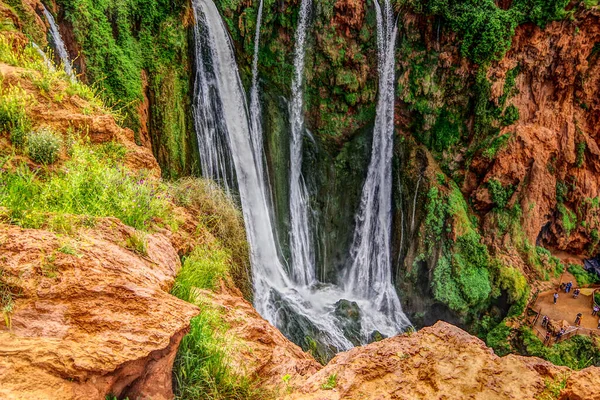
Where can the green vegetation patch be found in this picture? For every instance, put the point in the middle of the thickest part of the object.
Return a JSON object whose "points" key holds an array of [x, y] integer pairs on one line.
{"points": [[91, 183], [582, 277], [202, 369], [484, 29]]}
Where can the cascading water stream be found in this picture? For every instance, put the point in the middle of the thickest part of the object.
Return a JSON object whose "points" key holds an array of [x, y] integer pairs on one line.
{"points": [[301, 246], [59, 45], [42, 54], [230, 152], [369, 274], [255, 110]]}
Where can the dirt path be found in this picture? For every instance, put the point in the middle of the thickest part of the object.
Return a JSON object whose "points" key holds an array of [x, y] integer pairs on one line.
{"points": [[566, 308]]}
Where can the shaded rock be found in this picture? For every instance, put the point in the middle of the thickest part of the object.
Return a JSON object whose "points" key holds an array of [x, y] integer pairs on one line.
{"points": [[348, 314]]}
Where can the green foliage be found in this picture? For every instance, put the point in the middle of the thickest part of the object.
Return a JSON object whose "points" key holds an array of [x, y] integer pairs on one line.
{"points": [[497, 339], [499, 193], [217, 213], [89, 184], [569, 219], [582, 277], [496, 145], [202, 369], [44, 146], [138, 243], [202, 269], [514, 283], [597, 298], [580, 159], [119, 39], [484, 29], [461, 278], [13, 115], [510, 116], [331, 382], [562, 190], [576, 353]]}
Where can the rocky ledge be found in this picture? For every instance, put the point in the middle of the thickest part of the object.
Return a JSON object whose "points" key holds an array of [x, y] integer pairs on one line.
{"points": [[90, 316]]}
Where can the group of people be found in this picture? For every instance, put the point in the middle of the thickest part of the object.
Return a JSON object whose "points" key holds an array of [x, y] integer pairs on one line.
{"points": [[566, 287]]}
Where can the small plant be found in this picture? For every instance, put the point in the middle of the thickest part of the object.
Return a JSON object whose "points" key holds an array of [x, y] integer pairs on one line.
{"points": [[581, 146], [68, 249], [138, 243], [13, 115], [331, 382], [44, 146]]}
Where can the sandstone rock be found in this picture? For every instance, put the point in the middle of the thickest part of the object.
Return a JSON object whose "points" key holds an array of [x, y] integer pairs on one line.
{"points": [[90, 317], [258, 349], [442, 362]]}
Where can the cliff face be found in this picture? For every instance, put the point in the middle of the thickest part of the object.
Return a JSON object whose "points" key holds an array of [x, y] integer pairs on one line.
{"points": [[552, 156], [90, 317]]}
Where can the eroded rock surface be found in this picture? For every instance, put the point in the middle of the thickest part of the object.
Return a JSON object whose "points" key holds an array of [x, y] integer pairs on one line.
{"points": [[443, 362], [90, 316]]}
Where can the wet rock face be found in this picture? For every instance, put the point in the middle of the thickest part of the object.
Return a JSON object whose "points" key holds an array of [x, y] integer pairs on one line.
{"points": [[89, 316], [348, 315]]}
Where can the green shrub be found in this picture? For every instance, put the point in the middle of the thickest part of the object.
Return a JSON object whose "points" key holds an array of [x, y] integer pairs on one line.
{"points": [[89, 184], [44, 146], [499, 193], [202, 369], [13, 114], [497, 339], [576, 353], [510, 116], [582, 277]]}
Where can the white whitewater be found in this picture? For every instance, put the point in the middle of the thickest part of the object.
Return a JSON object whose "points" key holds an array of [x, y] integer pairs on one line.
{"points": [[255, 109], [369, 274], [44, 56], [301, 246], [227, 139], [59, 45]]}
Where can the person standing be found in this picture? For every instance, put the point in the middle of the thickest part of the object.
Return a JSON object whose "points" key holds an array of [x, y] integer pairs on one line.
{"points": [[595, 310], [555, 297], [548, 336], [578, 319]]}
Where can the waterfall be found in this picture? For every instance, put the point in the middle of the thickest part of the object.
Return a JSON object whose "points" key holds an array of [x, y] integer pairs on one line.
{"points": [[59, 45], [301, 247], [42, 54], [255, 110], [230, 144], [369, 274]]}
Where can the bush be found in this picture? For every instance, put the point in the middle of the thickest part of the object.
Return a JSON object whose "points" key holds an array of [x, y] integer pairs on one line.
{"points": [[44, 146], [576, 353], [582, 277], [13, 114]]}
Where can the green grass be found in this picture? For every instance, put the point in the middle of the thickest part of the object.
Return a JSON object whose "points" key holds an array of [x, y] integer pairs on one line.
{"points": [[202, 369], [331, 382], [217, 213], [138, 243], [91, 184]]}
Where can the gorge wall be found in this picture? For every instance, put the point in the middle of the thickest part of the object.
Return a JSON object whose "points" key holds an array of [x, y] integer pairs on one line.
{"points": [[496, 149]]}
